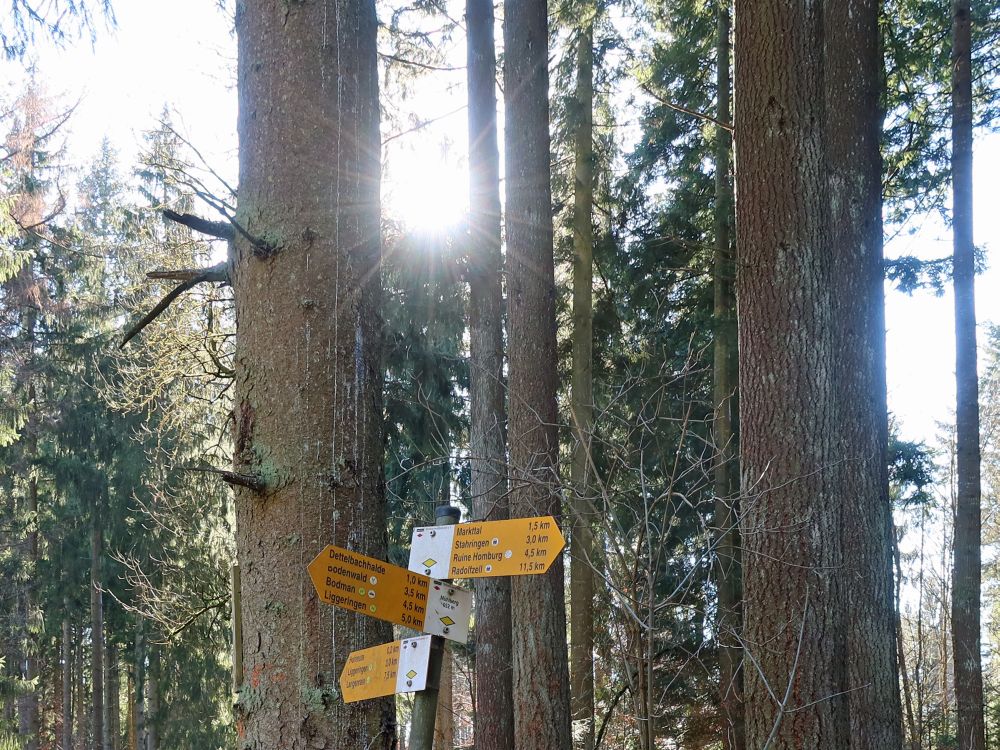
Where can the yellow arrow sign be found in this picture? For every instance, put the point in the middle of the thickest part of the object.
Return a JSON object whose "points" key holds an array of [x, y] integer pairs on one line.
{"points": [[520, 546], [397, 667], [372, 587]]}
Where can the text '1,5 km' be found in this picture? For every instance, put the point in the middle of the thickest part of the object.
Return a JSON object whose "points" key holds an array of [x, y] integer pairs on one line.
{"points": [[518, 547], [378, 589]]}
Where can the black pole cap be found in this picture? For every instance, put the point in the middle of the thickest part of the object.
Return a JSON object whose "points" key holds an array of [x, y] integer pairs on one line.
{"points": [[447, 514]]}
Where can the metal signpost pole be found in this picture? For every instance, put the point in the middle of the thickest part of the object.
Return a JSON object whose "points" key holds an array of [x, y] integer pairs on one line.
{"points": [[425, 702]]}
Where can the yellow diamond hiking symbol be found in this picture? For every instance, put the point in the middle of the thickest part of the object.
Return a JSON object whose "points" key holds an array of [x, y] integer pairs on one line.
{"points": [[429, 562], [411, 674], [447, 620]]}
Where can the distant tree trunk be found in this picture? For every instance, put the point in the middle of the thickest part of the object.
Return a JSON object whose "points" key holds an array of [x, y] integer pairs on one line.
{"points": [[30, 723], [114, 697], [816, 525], [968, 538], [131, 737], [582, 536], [541, 675], [308, 399], [911, 724], [494, 717], [138, 696], [96, 629], [153, 717], [80, 699], [728, 560], [66, 740]]}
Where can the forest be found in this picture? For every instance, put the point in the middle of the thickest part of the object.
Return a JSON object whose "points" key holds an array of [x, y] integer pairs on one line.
{"points": [[629, 376]]}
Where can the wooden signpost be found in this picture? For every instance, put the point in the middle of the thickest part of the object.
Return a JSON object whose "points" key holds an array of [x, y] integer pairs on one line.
{"points": [[418, 599], [397, 667], [520, 546], [384, 591]]}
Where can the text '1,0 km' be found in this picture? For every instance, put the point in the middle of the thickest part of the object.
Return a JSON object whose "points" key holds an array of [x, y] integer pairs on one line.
{"points": [[384, 591], [518, 547]]}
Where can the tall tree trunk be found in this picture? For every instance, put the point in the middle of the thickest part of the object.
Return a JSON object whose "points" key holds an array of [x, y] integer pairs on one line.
{"points": [[816, 526], [582, 536], [114, 697], [96, 629], [66, 739], [968, 539], [138, 695], [308, 395], [911, 724], [853, 171], [728, 560], [541, 676], [80, 699], [494, 717], [30, 699], [154, 719]]}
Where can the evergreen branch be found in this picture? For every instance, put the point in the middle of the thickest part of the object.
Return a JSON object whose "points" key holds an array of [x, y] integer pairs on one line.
{"points": [[209, 274], [218, 229]]}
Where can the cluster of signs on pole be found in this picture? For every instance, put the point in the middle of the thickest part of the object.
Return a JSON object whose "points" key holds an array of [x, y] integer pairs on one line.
{"points": [[418, 598]]}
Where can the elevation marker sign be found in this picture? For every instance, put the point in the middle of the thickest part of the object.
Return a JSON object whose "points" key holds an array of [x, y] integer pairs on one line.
{"points": [[518, 547], [384, 591], [397, 667]]}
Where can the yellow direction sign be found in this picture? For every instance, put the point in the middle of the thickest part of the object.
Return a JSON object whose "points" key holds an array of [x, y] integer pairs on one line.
{"points": [[384, 591], [518, 547], [397, 667]]}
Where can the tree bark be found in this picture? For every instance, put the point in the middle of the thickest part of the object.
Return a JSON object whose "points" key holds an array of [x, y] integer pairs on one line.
{"points": [[967, 571], [854, 219], [66, 740], [494, 717], [816, 526], [582, 535], [308, 379], [96, 630], [154, 719], [541, 676], [728, 556]]}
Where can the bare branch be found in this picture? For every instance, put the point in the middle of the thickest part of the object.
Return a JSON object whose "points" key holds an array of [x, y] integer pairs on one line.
{"points": [[221, 230], [209, 274], [254, 483]]}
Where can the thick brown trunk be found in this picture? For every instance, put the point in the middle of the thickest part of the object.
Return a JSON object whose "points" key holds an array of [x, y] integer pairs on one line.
{"points": [[967, 571], [494, 717], [821, 670], [308, 379], [582, 536], [96, 631], [541, 676], [728, 557], [854, 220]]}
